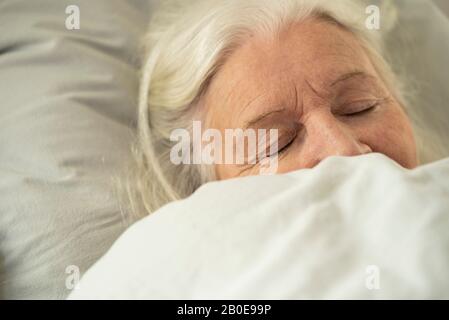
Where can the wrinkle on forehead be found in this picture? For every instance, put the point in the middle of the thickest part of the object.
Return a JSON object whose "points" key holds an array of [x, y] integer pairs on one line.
{"points": [[268, 71]]}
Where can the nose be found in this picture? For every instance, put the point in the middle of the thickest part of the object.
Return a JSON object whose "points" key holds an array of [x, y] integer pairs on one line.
{"points": [[329, 136]]}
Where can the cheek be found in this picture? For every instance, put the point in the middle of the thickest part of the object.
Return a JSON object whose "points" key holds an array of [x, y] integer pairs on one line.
{"points": [[391, 134]]}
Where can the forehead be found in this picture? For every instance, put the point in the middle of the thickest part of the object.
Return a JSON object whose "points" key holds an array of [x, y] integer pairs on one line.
{"points": [[273, 69]]}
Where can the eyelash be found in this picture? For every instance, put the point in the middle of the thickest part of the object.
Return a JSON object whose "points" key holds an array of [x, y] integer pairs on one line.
{"points": [[284, 148], [369, 107]]}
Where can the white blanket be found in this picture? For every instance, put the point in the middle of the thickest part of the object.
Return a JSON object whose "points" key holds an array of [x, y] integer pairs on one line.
{"points": [[359, 227]]}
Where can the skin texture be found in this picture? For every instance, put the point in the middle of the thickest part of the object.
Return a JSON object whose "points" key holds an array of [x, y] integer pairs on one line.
{"points": [[314, 83]]}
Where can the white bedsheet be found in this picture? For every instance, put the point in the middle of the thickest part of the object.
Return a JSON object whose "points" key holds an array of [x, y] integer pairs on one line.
{"points": [[359, 227]]}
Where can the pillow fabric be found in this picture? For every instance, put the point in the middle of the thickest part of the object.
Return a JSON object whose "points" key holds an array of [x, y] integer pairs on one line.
{"points": [[419, 50], [68, 105]]}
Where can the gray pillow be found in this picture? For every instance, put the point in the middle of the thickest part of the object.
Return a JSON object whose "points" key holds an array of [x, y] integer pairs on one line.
{"points": [[68, 105], [419, 48]]}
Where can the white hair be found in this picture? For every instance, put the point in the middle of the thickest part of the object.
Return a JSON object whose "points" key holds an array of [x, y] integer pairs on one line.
{"points": [[186, 43]]}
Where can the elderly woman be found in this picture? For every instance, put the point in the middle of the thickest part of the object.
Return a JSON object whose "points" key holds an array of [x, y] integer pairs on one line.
{"points": [[312, 70]]}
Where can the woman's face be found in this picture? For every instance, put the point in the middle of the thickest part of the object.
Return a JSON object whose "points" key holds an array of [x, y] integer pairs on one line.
{"points": [[318, 87]]}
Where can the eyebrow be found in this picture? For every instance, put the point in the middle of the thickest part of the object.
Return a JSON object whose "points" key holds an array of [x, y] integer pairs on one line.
{"points": [[261, 117], [351, 75], [341, 78]]}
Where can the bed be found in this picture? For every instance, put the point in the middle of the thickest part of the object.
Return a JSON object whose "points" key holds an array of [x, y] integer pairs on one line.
{"points": [[67, 122]]}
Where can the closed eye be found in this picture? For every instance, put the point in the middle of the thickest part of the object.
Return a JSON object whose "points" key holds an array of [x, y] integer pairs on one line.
{"points": [[283, 146], [360, 109], [362, 112]]}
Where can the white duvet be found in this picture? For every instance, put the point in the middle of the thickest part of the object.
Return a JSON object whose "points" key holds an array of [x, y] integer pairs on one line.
{"points": [[359, 227]]}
